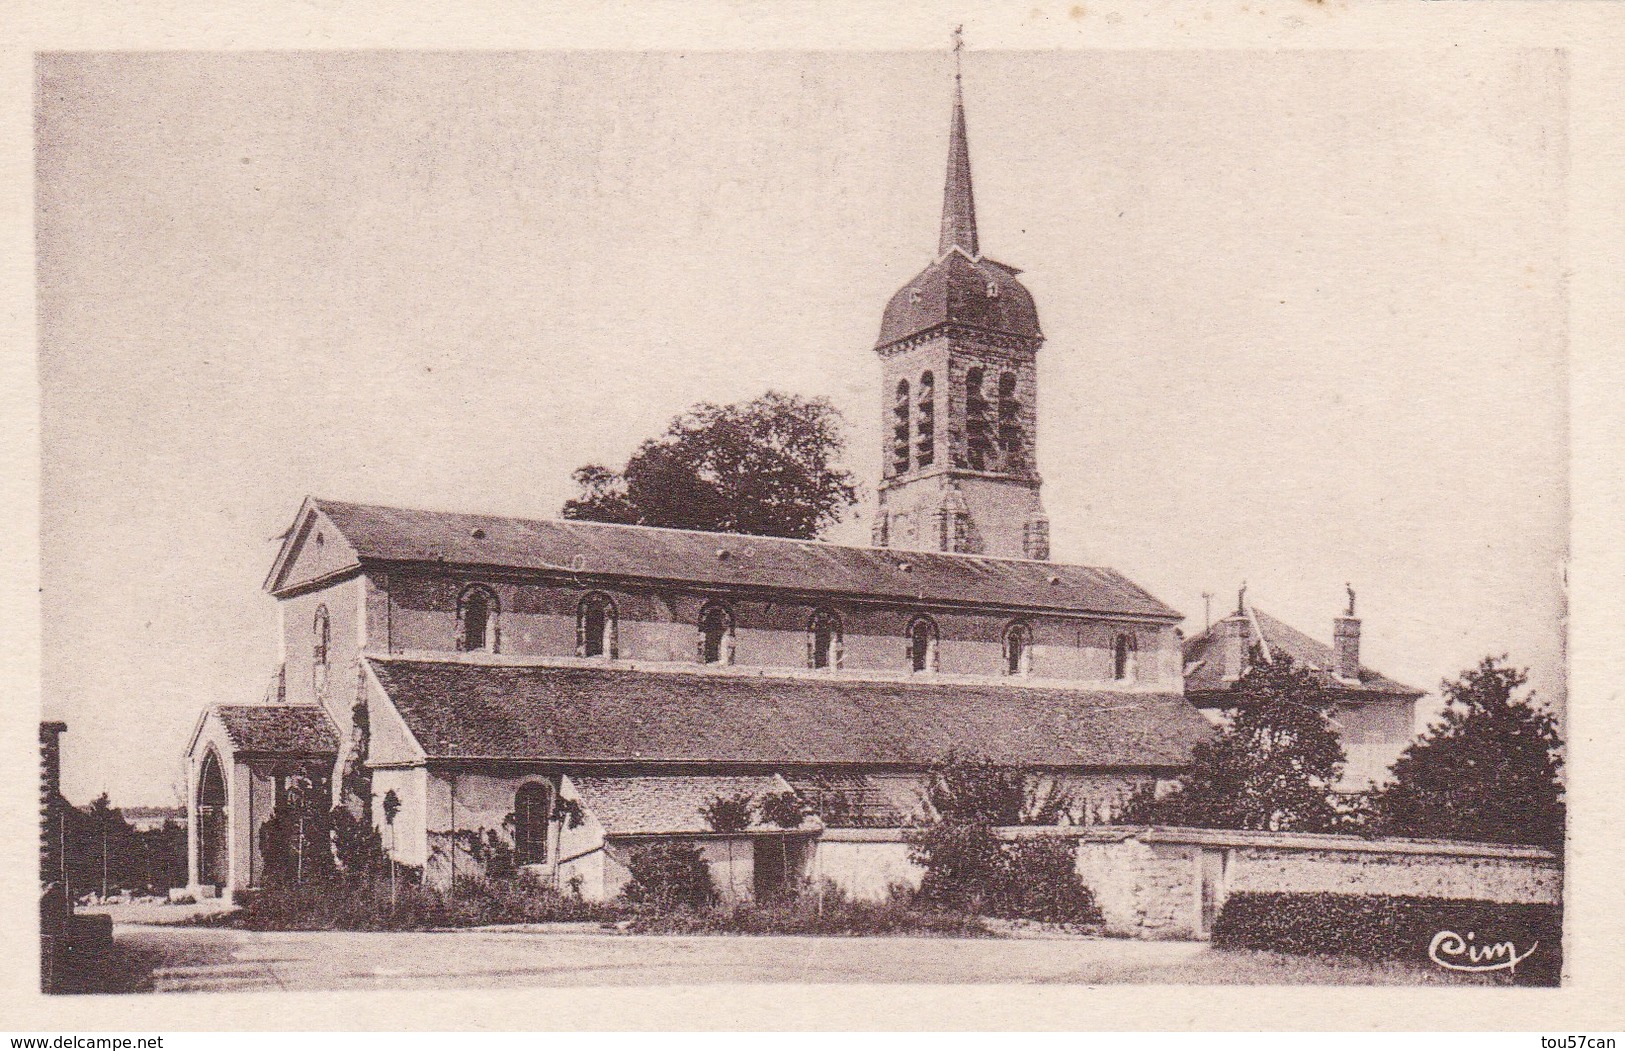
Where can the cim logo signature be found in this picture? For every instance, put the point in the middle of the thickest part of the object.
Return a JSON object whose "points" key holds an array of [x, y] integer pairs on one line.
{"points": [[1449, 949]]}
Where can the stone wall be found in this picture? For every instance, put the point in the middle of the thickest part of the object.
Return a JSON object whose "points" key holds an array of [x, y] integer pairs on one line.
{"points": [[1170, 883]]}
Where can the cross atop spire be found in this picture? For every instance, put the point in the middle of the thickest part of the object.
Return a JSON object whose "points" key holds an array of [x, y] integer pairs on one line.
{"points": [[958, 203]]}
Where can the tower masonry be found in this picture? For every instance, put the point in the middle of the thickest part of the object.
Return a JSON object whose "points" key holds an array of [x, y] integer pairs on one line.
{"points": [[959, 363]]}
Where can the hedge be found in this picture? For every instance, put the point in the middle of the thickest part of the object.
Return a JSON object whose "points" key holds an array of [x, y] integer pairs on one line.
{"points": [[1383, 927]]}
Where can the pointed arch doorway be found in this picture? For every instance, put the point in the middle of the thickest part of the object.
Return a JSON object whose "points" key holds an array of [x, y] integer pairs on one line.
{"points": [[213, 864]]}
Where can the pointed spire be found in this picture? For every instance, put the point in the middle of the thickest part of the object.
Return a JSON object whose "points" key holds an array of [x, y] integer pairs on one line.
{"points": [[958, 203]]}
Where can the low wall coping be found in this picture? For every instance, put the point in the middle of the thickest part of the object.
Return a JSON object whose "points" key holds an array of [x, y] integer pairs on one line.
{"points": [[862, 835], [1219, 837]]}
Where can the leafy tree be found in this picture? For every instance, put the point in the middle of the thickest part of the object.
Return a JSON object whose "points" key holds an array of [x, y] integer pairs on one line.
{"points": [[969, 867], [765, 468], [1271, 767], [1490, 770], [100, 847], [728, 815]]}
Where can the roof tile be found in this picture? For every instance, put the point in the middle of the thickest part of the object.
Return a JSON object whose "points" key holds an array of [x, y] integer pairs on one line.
{"points": [[630, 806], [643, 552], [459, 710], [292, 729]]}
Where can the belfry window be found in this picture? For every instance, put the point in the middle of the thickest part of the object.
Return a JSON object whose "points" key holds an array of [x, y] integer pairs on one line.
{"points": [[477, 621], [900, 436], [530, 814], [716, 634], [1123, 658], [978, 442], [596, 626], [321, 639], [1009, 415], [1018, 649], [925, 444], [824, 640], [922, 644]]}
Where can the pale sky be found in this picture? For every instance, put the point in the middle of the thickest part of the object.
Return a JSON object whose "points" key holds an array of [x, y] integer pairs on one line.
{"points": [[1305, 318]]}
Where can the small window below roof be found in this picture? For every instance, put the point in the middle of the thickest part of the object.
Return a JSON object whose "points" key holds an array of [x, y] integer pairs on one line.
{"points": [[922, 644], [1018, 649], [1123, 658], [824, 640], [596, 626], [716, 643], [477, 614]]}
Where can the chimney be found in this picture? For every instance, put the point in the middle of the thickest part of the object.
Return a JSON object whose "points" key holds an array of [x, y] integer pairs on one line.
{"points": [[1346, 643], [1232, 646], [1346, 647]]}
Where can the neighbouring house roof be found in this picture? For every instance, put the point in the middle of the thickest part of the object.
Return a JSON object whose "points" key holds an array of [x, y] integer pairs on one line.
{"points": [[288, 729], [1204, 674], [393, 534], [645, 805], [574, 714]]}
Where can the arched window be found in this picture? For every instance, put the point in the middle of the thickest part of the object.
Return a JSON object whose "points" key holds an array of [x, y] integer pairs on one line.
{"points": [[716, 634], [978, 442], [1018, 649], [477, 620], [321, 637], [922, 644], [925, 427], [900, 436], [824, 640], [1009, 414], [1123, 650], [531, 809], [596, 626]]}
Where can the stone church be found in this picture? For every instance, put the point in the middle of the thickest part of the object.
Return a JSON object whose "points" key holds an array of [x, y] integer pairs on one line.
{"points": [[579, 689]]}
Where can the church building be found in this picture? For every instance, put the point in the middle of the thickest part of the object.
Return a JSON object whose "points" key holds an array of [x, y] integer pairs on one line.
{"points": [[580, 689]]}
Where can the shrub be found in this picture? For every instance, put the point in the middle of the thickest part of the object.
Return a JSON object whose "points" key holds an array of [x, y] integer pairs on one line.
{"points": [[828, 913], [667, 876], [367, 904], [1044, 883], [969, 868], [1385, 927]]}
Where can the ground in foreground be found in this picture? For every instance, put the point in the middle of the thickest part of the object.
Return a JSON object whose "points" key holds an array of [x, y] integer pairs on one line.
{"points": [[172, 959]]}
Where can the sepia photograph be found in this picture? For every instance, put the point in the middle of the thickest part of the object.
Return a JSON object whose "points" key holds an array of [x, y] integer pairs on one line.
{"points": [[963, 516]]}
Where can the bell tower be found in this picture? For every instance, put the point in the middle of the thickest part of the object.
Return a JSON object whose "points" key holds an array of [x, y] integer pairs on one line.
{"points": [[959, 367]]}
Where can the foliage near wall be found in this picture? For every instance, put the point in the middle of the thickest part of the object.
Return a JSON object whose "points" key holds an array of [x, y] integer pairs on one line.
{"points": [[371, 903], [1489, 770], [1273, 765], [824, 912], [970, 868], [1387, 927], [667, 876]]}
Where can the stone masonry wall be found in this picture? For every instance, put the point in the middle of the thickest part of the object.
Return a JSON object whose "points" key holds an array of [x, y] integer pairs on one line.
{"points": [[1161, 883]]}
